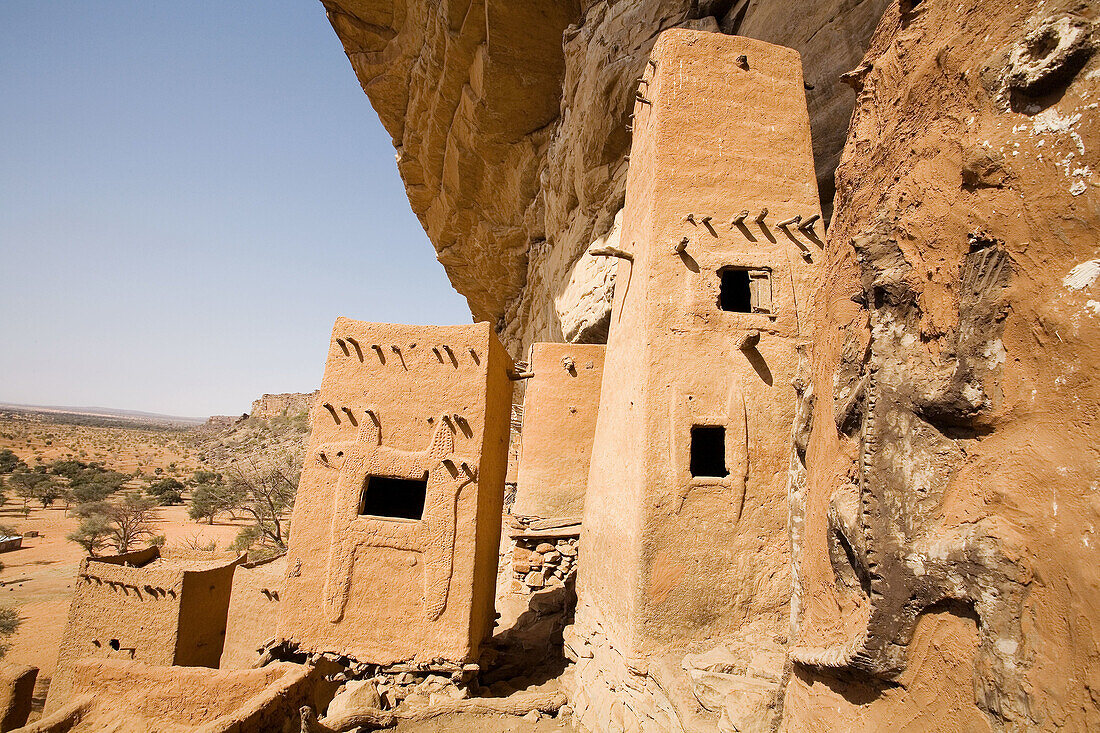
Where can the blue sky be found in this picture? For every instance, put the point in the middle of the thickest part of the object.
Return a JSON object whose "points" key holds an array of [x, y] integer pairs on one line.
{"points": [[190, 194]]}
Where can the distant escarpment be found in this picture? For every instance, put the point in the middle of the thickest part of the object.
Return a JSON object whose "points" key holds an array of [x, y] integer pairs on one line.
{"points": [[287, 404]]}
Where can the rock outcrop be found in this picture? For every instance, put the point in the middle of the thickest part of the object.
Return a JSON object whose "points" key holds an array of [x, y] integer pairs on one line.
{"points": [[511, 124], [287, 404], [943, 489], [945, 534]]}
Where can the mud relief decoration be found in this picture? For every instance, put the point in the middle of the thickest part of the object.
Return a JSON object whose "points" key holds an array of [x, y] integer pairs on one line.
{"points": [[913, 414], [433, 536], [684, 417]]}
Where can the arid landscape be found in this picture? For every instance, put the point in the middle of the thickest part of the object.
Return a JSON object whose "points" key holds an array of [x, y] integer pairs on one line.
{"points": [[152, 448], [37, 579]]}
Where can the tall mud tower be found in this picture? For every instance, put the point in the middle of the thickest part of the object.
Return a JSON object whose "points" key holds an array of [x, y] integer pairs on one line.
{"points": [[685, 524]]}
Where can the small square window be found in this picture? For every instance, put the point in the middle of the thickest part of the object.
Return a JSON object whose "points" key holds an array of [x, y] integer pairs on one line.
{"points": [[744, 290], [708, 451], [399, 498]]}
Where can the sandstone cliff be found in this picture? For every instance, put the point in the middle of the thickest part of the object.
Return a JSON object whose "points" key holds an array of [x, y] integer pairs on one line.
{"points": [[287, 404], [511, 124]]}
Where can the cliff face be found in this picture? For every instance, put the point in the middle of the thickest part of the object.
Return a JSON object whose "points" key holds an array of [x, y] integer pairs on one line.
{"points": [[276, 405], [943, 529], [511, 124]]}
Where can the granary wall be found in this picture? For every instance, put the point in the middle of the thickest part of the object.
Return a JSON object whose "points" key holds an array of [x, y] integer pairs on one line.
{"points": [[614, 498], [491, 476], [204, 609], [559, 419], [111, 602], [113, 693], [131, 606], [720, 127], [701, 368], [17, 683], [384, 590], [252, 618]]}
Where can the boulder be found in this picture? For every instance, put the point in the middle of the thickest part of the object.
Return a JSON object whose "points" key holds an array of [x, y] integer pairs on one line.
{"points": [[353, 696]]}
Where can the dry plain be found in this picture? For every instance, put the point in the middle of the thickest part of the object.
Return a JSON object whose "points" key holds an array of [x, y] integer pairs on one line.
{"points": [[37, 579]]}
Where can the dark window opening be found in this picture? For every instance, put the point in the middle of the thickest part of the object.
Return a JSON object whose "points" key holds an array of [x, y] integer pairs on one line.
{"points": [[735, 294], [708, 451], [401, 498], [114, 644], [745, 290]]}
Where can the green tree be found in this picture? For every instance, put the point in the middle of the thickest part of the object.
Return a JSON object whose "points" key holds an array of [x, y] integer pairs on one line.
{"points": [[70, 469], [269, 487], [9, 624], [92, 533], [166, 484], [35, 485], [89, 482], [122, 523], [210, 500], [131, 519], [9, 461], [205, 477], [171, 497]]}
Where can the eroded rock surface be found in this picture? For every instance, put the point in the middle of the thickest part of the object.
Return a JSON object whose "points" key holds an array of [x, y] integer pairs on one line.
{"points": [[511, 127], [944, 533]]}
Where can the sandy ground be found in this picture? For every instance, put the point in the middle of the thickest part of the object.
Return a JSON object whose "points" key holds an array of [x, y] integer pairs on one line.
{"points": [[37, 580]]}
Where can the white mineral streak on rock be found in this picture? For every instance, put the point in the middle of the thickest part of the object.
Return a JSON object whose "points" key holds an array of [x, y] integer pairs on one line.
{"points": [[1083, 275], [585, 301]]}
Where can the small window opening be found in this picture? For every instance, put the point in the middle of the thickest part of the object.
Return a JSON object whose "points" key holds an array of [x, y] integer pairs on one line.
{"points": [[745, 291], [114, 644], [708, 451], [400, 498], [734, 295]]}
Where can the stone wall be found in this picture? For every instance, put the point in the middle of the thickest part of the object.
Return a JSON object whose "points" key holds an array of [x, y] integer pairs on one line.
{"points": [[511, 124]]}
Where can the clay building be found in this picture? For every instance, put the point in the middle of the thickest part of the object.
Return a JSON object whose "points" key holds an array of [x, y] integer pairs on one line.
{"points": [[685, 518], [560, 404], [162, 607], [397, 519], [253, 611], [559, 420]]}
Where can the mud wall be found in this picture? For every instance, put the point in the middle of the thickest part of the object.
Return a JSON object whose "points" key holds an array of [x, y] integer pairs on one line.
{"points": [[252, 618]]}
